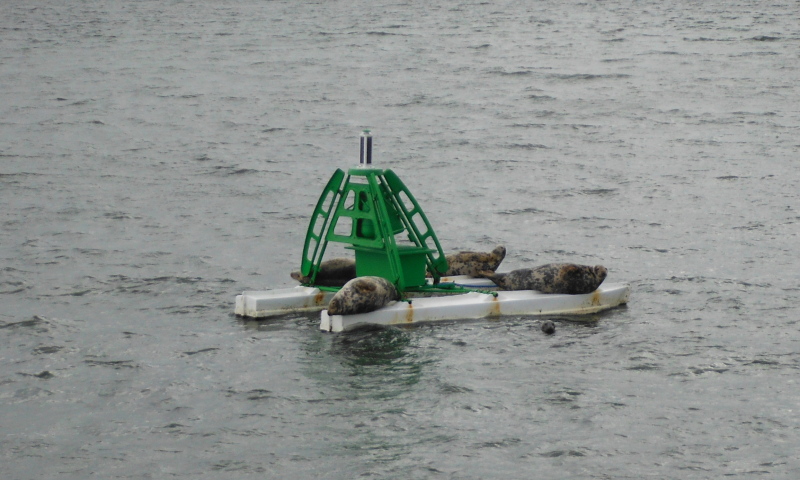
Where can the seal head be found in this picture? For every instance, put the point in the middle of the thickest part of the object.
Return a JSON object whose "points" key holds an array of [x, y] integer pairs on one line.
{"points": [[362, 295], [548, 327]]}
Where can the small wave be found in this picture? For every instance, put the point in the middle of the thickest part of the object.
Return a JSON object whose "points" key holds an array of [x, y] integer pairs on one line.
{"points": [[18, 174], [36, 324], [230, 171], [662, 52], [254, 394], [524, 211], [599, 191], [28, 393], [415, 100], [588, 76], [541, 98], [515, 73], [751, 226], [119, 216], [451, 389], [526, 146], [202, 350], [644, 367], [185, 309], [765, 38], [563, 453], [115, 364], [707, 39], [243, 171], [713, 368], [11, 287], [77, 293], [506, 442], [47, 349], [95, 252], [44, 375], [386, 34], [765, 114], [22, 324]]}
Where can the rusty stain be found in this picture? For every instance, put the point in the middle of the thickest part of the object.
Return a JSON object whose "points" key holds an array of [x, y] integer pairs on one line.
{"points": [[410, 313], [596, 298], [495, 310], [319, 298]]}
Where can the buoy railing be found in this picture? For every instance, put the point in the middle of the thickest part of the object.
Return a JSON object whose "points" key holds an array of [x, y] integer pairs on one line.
{"points": [[369, 210]]}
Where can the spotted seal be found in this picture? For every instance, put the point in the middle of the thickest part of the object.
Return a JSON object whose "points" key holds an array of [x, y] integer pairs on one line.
{"points": [[472, 263], [332, 273], [552, 278], [362, 295]]}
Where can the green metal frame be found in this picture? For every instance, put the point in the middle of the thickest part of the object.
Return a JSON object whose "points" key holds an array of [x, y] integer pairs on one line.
{"points": [[368, 209], [314, 247]]}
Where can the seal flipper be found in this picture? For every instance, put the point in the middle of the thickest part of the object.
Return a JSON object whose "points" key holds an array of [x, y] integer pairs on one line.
{"points": [[499, 253], [496, 278]]}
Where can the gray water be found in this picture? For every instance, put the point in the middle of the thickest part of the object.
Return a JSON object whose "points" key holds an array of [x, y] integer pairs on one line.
{"points": [[159, 157]]}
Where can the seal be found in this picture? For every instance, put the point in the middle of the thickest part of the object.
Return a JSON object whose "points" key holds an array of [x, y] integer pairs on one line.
{"points": [[472, 263], [362, 295], [548, 327], [332, 273], [552, 278]]}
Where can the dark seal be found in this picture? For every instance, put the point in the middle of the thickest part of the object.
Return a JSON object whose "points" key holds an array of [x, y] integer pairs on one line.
{"points": [[548, 327], [472, 263], [332, 273], [362, 295], [552, 278]]}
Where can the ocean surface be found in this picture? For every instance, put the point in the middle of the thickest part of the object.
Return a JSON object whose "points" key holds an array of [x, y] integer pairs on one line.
{"points": [[157, 158]]}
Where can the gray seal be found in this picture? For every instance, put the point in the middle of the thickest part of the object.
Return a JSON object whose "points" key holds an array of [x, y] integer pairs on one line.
{"points": [[332, 273], [552, 278], [362, 295], [472, 263], [548, 327]]}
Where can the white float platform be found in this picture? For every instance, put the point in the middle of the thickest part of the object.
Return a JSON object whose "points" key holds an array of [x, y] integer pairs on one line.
{"points": [[476, 305], [431, 307], [268, 303]]}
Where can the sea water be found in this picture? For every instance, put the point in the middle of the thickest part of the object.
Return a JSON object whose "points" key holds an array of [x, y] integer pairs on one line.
{"points": [[159, 157]]}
